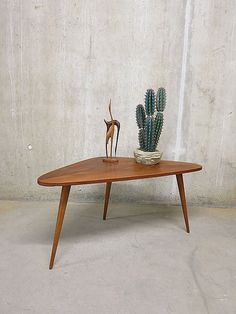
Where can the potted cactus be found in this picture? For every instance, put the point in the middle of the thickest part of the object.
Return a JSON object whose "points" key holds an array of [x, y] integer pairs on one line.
{"points": [[150, 122]]}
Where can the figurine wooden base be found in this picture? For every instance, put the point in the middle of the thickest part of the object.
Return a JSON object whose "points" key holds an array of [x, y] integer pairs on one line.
{"points": [[110, 159]]}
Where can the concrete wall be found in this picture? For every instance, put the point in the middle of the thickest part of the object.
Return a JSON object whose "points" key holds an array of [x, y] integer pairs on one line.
{"points": [[61, 62]]}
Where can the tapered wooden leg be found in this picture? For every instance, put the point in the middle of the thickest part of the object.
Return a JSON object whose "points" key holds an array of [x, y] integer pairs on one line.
{"points": [[180, 182], [65, 191], [107, 195]]}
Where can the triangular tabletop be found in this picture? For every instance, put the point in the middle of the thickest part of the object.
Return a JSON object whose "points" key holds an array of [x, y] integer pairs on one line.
{"points": [[95, 170]]}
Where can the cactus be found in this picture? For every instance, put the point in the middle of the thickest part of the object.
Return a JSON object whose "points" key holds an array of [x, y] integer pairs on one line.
{"points": [[150, 119]]}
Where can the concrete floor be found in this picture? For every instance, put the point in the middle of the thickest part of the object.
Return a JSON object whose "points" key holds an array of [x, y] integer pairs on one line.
{"points": [[139, 261]]}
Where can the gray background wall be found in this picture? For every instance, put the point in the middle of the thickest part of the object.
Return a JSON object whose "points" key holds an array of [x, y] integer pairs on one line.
{"points": [[61, 62]]}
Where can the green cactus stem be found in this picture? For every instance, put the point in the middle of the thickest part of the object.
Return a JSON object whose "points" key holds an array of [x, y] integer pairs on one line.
{"points": [[150, 102], [161, 99], [159, 120], [149, 133], [141, 139], [140, 116]]}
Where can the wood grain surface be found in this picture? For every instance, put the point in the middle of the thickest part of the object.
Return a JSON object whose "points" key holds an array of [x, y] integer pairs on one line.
{"points": [[94, 170]]}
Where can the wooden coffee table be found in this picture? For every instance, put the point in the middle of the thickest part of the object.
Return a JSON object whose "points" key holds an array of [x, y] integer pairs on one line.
{"points": [[94, 170]]}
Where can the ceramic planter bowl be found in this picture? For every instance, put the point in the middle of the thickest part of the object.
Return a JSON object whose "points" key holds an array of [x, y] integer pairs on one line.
{"points": [[147, 158]]}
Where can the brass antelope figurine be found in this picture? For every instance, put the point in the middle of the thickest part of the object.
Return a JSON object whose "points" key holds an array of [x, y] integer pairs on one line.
{"points": [[110, 135]]}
